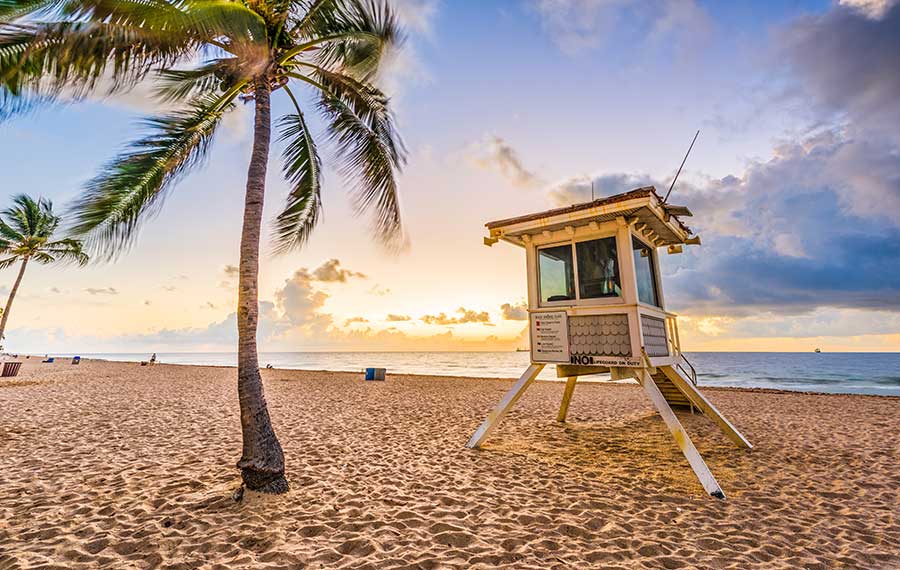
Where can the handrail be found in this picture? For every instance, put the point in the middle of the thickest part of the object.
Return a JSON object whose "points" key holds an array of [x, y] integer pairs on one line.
{"points": [[681, 361], [690, 372]]}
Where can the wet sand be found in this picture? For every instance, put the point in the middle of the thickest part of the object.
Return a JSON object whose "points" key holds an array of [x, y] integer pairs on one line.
{"points": [[119, 466]]}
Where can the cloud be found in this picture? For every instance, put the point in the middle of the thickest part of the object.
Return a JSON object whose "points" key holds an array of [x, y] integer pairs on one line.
{"points": [[402, 65], [818, 225], [465, 316], [297, 318], [517, 312], [820, 323], [331, 271], [392, 318], [231, 274], [577, 189], [300, 302], [496, 154], [169, 288], [578, 26], [848, 61], [416, 16], [101, 291], [875, 9], [379, 291]]}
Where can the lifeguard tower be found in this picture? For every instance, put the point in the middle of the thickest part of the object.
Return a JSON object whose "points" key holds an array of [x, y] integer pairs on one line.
{"points": [[596, 305]]}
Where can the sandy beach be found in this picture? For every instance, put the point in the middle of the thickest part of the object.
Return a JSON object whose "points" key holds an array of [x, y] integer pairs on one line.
{"points": [[119, 466]]}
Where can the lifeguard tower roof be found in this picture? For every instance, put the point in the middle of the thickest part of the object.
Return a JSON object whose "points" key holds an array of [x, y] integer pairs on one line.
{"points": [[643, 206]]}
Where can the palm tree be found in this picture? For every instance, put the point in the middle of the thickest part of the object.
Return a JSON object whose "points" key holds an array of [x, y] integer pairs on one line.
{"points": [[206, 54], [26, 231]]}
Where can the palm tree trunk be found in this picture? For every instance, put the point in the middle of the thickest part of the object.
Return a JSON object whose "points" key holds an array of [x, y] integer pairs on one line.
{"points": [[12, 295], [262, 461]]}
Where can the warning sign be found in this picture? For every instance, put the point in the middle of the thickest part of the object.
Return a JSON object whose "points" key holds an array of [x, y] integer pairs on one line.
{"points": [[549, 337]]}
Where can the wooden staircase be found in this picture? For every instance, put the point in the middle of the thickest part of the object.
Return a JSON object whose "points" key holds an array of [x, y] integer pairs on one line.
{"points": [[669, 391]]}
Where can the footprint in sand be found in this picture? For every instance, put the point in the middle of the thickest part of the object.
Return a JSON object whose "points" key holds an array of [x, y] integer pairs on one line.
{"points": [[454, 539], [312, 530], [96, 546], [356, 547]]}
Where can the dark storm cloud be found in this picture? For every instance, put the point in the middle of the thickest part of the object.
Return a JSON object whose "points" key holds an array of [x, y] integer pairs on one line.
{"points": [[849, 61], [816, 226]]}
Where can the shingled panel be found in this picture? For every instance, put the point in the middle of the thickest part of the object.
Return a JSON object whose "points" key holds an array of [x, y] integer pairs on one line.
{"points": [[599, 335], [654, 330]]}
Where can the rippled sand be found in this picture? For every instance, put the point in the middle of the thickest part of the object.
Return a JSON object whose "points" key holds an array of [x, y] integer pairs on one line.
{"points": [[114, 465]]}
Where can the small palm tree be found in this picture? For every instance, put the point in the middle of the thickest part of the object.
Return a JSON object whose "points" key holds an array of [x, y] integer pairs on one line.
{"points": [[26, 231], [206, 55]]}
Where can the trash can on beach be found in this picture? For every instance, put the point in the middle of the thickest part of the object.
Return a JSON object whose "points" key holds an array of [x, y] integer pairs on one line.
{"points": [[375, 374]]}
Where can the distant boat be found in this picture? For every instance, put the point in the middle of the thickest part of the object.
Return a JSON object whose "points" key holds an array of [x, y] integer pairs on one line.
{"points": [[526, 350], [818, 350]]}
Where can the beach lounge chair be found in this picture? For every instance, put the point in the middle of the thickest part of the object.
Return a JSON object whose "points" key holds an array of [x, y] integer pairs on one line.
{"points": [[76, 360], [11, 369], [48, 361]]}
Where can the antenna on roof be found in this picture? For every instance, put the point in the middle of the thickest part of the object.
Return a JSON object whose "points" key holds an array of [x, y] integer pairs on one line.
{"points": [[666, 199]]}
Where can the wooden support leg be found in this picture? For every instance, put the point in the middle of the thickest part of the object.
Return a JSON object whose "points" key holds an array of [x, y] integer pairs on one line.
{"points": [[567, 398], [681, 437], [504, 406], [705, 406]]}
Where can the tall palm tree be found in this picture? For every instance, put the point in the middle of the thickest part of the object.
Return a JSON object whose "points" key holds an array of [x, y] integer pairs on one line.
{"points": [[205, 55], [26, 231]]}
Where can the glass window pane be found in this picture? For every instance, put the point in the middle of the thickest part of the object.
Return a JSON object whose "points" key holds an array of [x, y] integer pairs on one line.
{"points": [[556, 273], [598, 268], [645, 273]]}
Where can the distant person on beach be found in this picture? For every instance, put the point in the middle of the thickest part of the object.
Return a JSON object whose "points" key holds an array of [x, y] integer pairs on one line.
{"points": [[153, 359]]}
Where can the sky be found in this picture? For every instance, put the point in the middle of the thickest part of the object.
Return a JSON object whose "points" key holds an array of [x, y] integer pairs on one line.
{"points": [[511, 107]]}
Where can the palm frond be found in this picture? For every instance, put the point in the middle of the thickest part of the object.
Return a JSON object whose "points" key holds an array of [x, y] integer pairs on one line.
{"points": [[42, 257], [114, 44], [201, 19], [131, 186], [11, 230], [227, 19], [26, 228], [302, 167], [306, 15], [66, 250], [349, 36], [41, 61], [370, 148], [28, 218], [182, 84], [4, 263], [13, 9]]}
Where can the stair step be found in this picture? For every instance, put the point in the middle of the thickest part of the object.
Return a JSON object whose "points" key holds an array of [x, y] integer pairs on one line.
{"points": [[669, 391]]}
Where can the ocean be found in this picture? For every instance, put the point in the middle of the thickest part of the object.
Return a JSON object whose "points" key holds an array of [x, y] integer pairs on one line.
{"points": [[837, 372]]}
